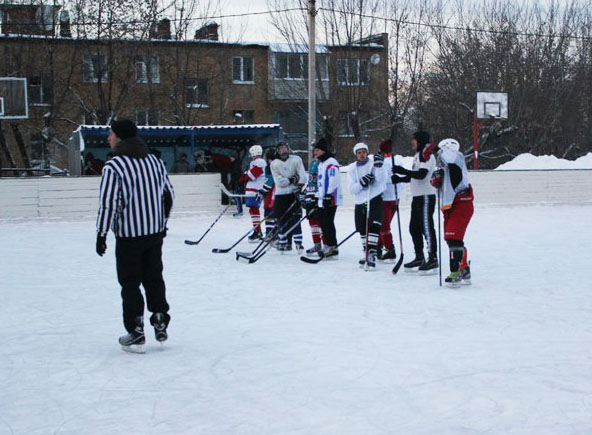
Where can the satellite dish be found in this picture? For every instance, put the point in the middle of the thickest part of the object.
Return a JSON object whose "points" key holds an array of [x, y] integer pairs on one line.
{"points": [[375, 59]]}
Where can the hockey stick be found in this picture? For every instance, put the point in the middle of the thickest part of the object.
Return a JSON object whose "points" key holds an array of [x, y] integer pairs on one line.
{"points": [[225, 250], [400, 262], [193, 242], [439, 241], [321, 255], [226, 192], [241, 256], [367, 228], [272, 235]]}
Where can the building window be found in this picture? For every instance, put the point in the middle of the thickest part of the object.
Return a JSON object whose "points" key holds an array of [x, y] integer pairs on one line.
{"points": [[40, 91], [291, 66], [196, 93], [352, 72], [242, 70], [147, 69], [244, 116], [95, 69], [147, 117]]}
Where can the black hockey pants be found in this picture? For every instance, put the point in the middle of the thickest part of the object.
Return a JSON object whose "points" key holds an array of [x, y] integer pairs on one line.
{"points": [[374, 224], [422, 224]]}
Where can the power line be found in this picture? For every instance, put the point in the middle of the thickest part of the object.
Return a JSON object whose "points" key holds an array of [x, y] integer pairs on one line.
{"points": [[458, 28], [357, 14]]}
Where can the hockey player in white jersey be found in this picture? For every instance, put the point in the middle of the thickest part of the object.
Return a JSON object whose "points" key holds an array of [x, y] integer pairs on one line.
{"points": [[457, 206], [254, 177], [366, 181], [289, 177]]}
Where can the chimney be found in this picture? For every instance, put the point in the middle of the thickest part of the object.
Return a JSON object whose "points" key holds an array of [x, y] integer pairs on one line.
{"points": [[208, 32], [65, 31], [161, 30]]}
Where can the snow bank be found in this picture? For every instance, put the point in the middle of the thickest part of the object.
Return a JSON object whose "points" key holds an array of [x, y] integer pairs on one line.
{"points": [[528, 161]]}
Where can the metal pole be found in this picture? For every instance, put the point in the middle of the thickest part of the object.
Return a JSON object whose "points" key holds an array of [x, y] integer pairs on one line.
{"points": [[475, 143], [311, 78]]}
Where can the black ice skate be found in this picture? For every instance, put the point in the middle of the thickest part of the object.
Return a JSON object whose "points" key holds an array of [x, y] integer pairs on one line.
{"points": [[369, 263], [412, 266], [388, 256], [135, 340], [160, 327], [284, 247], [299, 248], [429, 267], [256, 237]]}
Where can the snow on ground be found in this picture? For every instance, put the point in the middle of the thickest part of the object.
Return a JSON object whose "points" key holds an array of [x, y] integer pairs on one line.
{"points": [[284, 347], [528, 161]]}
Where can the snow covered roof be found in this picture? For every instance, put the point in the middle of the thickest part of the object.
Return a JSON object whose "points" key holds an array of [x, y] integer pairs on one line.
{"points": [[280, 47]]}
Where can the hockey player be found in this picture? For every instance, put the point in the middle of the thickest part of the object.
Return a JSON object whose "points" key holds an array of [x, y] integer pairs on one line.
{"points": [[423, 204], [289, 177], [390, 203], [457, 207], [329, 196], [254, 177], [366, 181], [266, 194], [310, 205]]}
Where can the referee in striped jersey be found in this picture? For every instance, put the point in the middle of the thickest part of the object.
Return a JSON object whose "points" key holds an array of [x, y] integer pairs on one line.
{"points": [[135, 201]]}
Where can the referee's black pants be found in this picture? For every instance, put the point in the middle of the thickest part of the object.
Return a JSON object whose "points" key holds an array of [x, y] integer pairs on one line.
{"points": [[139, 261]]}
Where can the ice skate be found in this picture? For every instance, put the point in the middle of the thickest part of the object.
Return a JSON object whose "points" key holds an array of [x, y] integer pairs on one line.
{"points": [[329, 252], [299, 248], [428, 267], [465, 275], [256, 237], [412, 266], [315, 249], [388, 256], [160, 327], [134, 341], [453, 280]]}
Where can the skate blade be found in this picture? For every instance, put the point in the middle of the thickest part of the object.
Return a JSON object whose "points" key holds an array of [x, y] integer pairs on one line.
{"points": [[466, 282], [134, 348], [453, 284], [428, 272], [411, 269]]}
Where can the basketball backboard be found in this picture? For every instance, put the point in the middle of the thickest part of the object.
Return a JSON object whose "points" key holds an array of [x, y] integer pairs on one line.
{"points": [[492, 105], [14, 103]]}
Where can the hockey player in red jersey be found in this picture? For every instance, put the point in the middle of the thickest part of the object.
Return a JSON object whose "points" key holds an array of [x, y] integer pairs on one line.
{"points": [[452, 180], [254, 177]]}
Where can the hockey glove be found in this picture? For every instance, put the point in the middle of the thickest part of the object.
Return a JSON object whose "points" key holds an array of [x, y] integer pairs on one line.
{"points": [[378, 160], [400, 170], [294, 179], [428, 151], [243, 179], [101, 245], [367, 180], [328, 201], [437, 177], [260, 195]]}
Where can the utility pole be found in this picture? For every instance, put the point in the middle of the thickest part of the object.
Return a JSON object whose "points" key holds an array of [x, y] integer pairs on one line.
{"points": [[312, 91]]}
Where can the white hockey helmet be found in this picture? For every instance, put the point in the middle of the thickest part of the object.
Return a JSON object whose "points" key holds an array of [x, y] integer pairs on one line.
{"points": [[449, 144], [256, 150], [360, 146]]}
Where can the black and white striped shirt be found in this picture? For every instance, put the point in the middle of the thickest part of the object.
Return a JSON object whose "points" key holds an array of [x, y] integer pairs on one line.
{"points": [[131, 199]]}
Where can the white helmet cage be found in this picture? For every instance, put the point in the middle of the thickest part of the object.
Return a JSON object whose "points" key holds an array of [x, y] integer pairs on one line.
{"points": [[360, 146], [256, 150], [449, 144]]}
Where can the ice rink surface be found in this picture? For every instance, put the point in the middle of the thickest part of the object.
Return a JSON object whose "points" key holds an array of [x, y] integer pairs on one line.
{"points": [[284, 347]]}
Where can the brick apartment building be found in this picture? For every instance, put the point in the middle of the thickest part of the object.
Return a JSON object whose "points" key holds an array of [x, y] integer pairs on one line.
{"points": [[158, 80]]}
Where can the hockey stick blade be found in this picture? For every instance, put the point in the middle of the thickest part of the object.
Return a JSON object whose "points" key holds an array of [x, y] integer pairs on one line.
{"points": [[243, 257], [221, 250], [398, 265], [310, 260], [191, 242]]}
